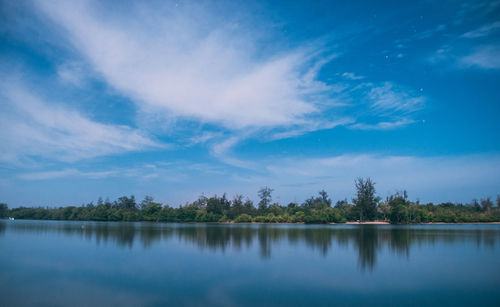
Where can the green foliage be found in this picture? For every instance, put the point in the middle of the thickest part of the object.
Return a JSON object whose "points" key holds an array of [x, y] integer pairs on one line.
{"points": [[265, 199], [243, 218], [299, 217], [126, 203], [276, 209], [218, 206], [223, 219], [259, 219], [237, 207], [151, 211], [398, 209], [4, 210], [284, 218], [318, 210], [321, 202], [366, 201]]}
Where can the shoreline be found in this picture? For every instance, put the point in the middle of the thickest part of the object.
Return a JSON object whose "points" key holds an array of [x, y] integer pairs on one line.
{"points": [[263, 223]]}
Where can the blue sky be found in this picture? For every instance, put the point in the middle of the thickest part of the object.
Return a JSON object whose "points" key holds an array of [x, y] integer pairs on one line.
{"points": [[174, 99]]}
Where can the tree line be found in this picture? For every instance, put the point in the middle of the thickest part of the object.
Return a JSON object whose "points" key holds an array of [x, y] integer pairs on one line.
{"points": [[365, 206]]}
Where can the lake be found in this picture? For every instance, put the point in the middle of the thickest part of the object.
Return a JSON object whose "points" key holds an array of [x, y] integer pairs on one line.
{"points": [[59, 263]]}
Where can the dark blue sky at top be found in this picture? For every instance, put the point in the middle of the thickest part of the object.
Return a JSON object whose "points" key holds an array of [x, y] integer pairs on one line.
{"points": [[175, 99]]}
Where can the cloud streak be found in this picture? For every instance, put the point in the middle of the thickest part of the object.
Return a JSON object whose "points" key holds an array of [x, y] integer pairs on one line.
{"points": [[483, 31], [387, 98], [31, 127], [383, 125], [65, 173], [184, 64], [486, 57]]}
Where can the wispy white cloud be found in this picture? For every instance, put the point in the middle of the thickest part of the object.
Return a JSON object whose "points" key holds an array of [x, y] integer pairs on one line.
{"points": [[167, 171], [32, 127], [222, 151], [445, 53], [72, 73], [428, 33], [65, 173], [183, 63], [352, 76], [486, 57], [388, 98], [139, 172], [461, 54], [291, 132], [485, 30], [383, 125], [204, 137]]}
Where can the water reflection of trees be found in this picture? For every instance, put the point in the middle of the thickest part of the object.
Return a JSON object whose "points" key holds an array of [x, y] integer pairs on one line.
{"points": [[366, 240]]}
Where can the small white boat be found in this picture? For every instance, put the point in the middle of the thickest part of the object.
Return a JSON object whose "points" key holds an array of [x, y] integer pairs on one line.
{"points": [[11, 218]]}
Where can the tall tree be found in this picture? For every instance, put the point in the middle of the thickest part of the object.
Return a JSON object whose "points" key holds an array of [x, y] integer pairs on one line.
{"points": [[236, 206], [146, 201], [365, 201], [248, 207], [127, 203], [201, 202], [325, 199], [486, 204], [4, 209], [384, 209], [398, 205], [265, 198]]}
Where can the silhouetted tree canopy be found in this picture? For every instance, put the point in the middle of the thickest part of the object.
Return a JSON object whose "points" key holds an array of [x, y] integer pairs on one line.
{"points": [[366, 206]]}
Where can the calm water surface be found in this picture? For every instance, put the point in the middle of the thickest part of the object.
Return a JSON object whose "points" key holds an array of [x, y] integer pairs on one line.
{"points": [[54, 263]]}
